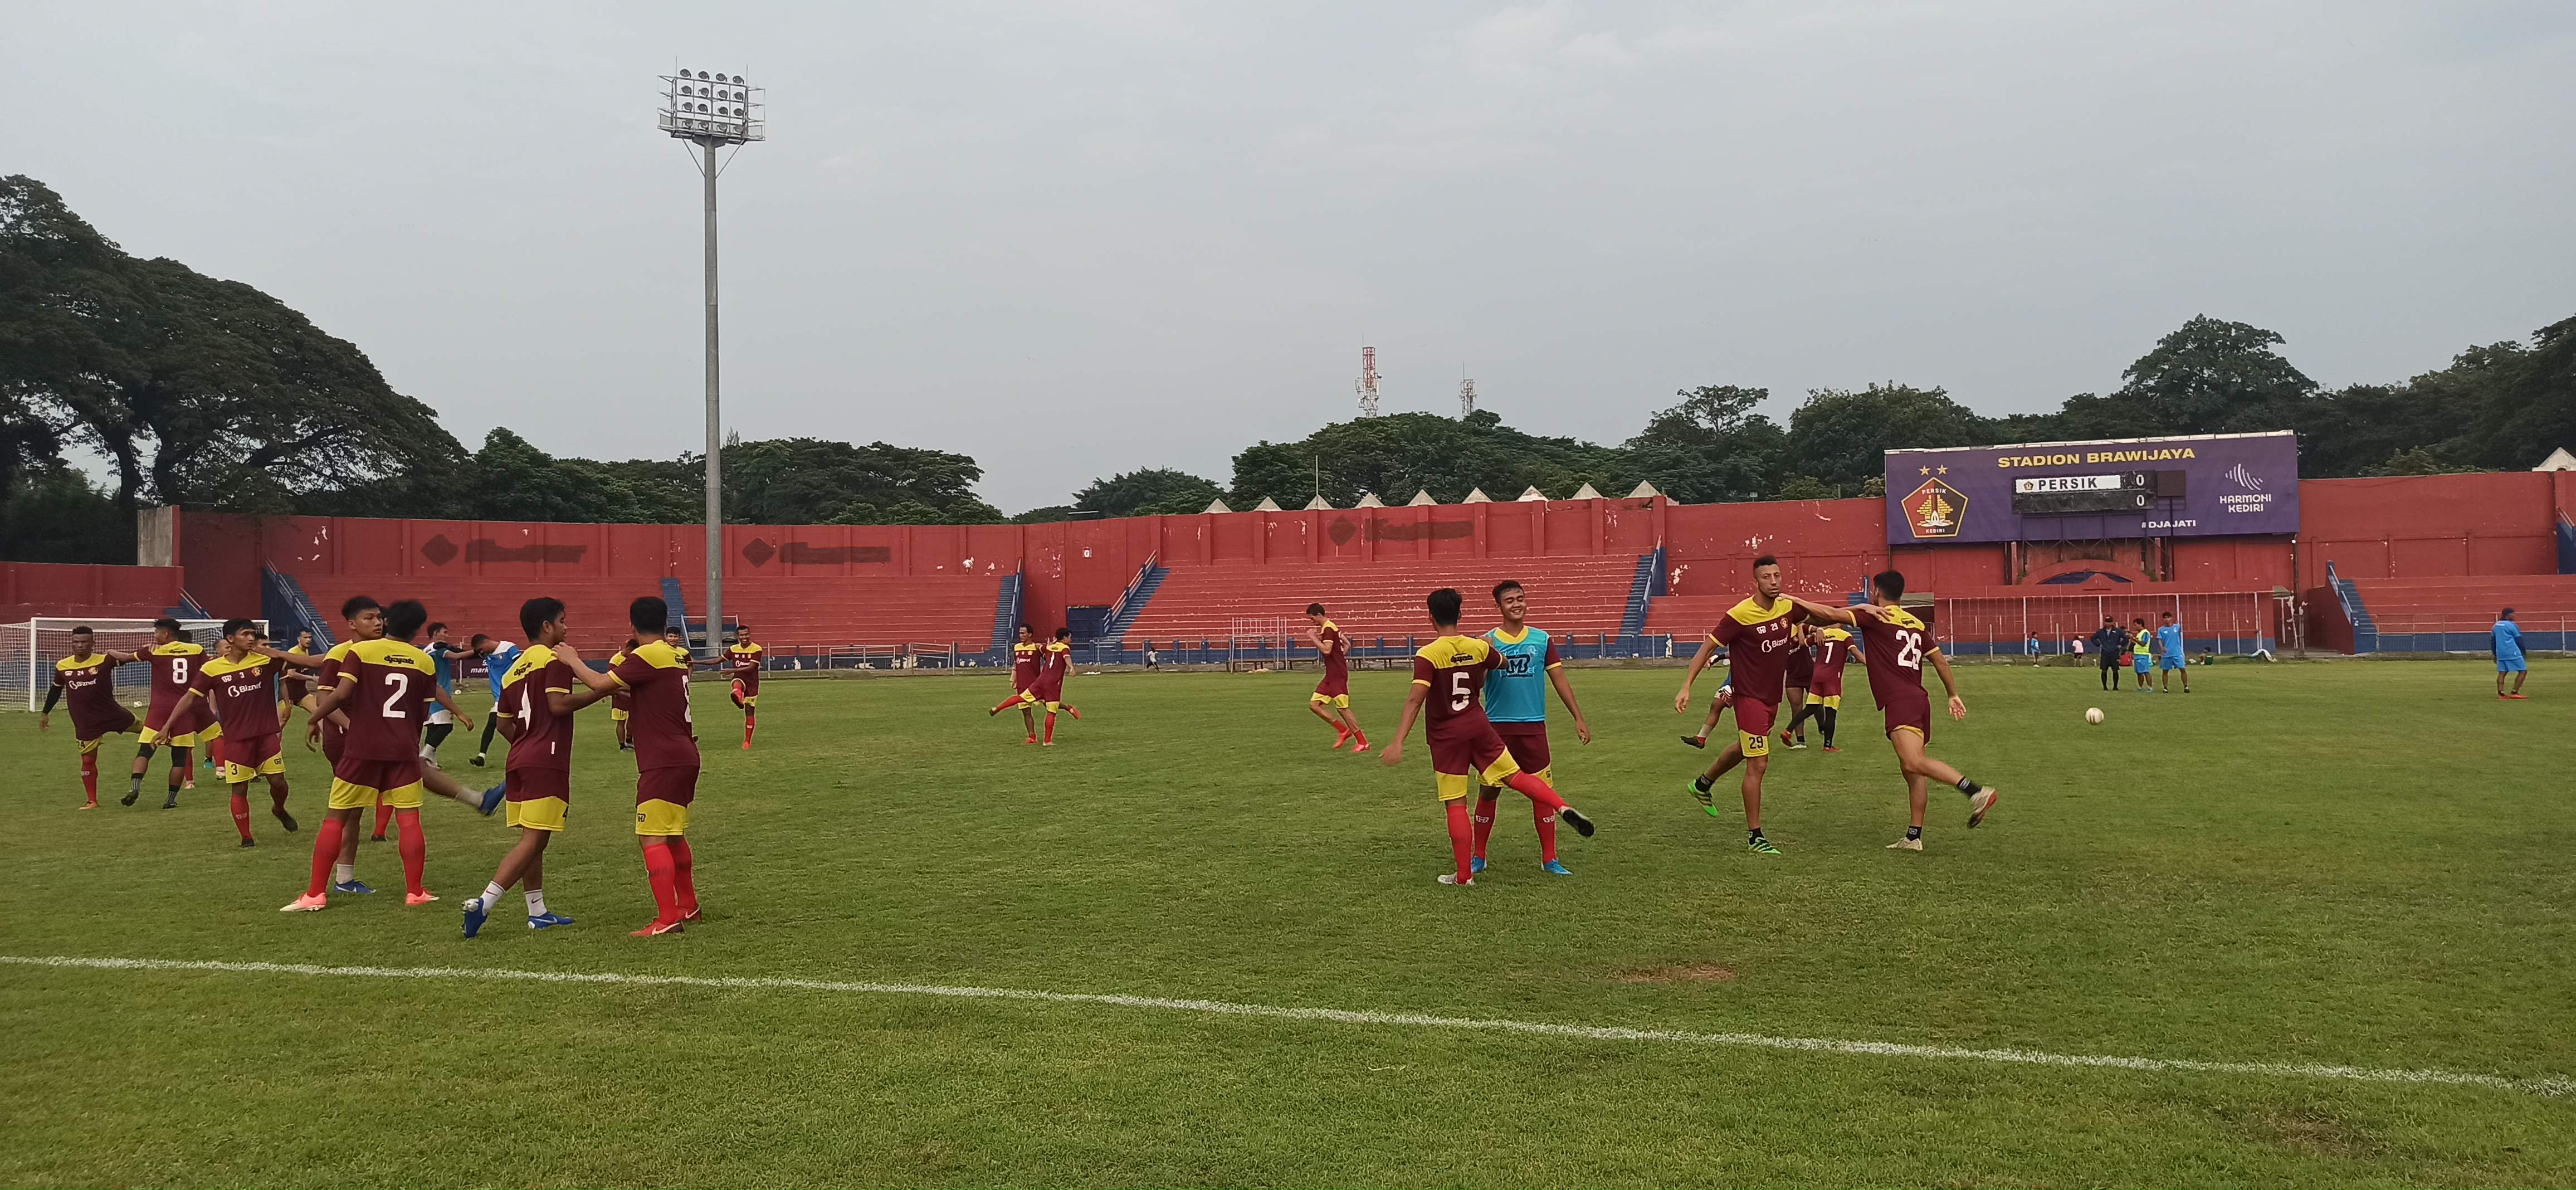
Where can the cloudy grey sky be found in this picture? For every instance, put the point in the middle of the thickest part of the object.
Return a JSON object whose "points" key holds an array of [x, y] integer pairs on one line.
{"points": [[1085, 237]]}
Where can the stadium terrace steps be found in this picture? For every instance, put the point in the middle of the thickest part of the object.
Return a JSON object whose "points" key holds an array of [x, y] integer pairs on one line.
{"points": [[1580, 596], [783, 612], [2463, 609]]}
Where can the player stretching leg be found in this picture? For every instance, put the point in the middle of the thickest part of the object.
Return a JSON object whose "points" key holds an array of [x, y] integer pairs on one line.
{"points": [[170, 718], [1716, 711], [1756, 634], [1894, 647], [1802, 673], [656, 674], [1332, 696], [239, 686], [1449, 677], [744, 656], [1825, 696], [1027, 655], [538, 697], [87, 681], [1517, 708], [1052, 669]]}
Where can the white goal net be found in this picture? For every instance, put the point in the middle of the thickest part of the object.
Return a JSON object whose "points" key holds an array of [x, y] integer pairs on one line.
{"points": [[29, 648], [1262, 642]]}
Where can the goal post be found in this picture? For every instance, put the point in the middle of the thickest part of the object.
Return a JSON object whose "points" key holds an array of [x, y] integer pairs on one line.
{"points": [[1262, 642], [29, 648]]}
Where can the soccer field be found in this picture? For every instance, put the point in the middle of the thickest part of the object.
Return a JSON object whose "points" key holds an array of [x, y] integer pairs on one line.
{"points": [[2361, 866]]}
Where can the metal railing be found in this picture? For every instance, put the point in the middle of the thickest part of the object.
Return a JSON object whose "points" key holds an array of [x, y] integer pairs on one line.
{"points": [[2241, 622]]}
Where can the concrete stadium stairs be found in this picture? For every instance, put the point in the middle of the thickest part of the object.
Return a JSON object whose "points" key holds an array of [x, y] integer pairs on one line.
{"points": [[1568, 596], [2431, 615]]}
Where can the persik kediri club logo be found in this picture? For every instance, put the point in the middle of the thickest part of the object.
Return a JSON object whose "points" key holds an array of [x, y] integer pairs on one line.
{"points": [[1935, 510]]}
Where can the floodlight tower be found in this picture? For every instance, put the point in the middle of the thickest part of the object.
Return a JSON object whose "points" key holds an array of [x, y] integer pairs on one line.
{"points": [[711, 110], [1367, 386]]}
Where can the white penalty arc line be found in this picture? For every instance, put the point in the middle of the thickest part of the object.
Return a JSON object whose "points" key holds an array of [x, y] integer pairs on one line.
{"points": [[2551, 1086]]}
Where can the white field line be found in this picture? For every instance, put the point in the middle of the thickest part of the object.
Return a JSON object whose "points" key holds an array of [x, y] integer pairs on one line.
{"points": [[1344, 1016]]}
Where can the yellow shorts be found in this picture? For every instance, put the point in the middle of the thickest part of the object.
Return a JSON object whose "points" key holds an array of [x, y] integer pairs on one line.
{"points": [[751, 700], [90, 747], [349, 795], [1834, 701], [1333, 700], [185, 739], [1547, 774], [1753, 745], [616, 716], [236, 774], [658, 817], [1054, 707], [1028, 699], [537, 813], [1457, 785]]}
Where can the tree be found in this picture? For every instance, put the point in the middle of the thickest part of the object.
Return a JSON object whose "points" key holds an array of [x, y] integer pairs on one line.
{"points": [[1148, 492], [2214, 377], [1395, 455], [1710, 447], [1045, 515], [2529, 407], [795, 481], [1841, 438], [55, 514]]}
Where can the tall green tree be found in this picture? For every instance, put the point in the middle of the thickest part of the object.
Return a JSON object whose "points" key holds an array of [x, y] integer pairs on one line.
{"points": [[2528, 406], [1841, 437], [1711, 446], [1395, 455], [2215, 377], [1154, 490], [793, 481]]}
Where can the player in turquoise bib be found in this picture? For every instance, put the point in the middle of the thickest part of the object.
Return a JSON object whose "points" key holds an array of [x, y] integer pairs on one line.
{"points": [[1516, 704]]}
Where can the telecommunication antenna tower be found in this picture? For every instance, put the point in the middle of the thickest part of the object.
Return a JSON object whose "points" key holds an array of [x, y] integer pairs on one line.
{"points": [[1466, 396], [1367, 386]]}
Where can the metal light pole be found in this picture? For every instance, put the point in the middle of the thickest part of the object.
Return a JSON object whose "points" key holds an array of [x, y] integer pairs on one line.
{"points": [[712, 110]]}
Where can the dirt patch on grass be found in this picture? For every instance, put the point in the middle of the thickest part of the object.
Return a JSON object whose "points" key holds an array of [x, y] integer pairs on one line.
{"points": [[1680, 973], [2313, 1133]]}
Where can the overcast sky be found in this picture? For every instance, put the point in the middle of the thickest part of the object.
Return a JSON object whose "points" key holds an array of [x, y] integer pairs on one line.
{"points": [[1079, 238]]}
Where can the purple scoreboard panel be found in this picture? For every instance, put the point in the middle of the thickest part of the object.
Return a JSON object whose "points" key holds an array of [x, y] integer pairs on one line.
{"points": [[2211, 485]]}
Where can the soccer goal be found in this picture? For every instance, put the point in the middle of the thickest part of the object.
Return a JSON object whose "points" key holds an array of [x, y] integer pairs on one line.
{"points": [[29, 648], [1262, 642]]}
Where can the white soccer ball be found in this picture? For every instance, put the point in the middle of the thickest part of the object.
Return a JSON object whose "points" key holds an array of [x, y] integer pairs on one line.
{"points": [[2092, 714]]}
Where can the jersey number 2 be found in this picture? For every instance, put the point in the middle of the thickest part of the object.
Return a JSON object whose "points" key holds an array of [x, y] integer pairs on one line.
{"points": [[401, 683]]}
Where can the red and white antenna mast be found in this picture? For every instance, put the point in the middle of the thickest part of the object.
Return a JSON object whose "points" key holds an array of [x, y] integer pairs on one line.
{"points": [[1367, 386]]}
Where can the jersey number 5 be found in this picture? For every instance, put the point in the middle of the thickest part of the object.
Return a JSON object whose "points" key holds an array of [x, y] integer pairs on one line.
{"points": [[1461, 689]]}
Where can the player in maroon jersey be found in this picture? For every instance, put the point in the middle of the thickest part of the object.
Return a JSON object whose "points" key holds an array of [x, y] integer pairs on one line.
{"points": [[1053, 665], [743, 658], [666, 764], [1449, 679], [544, 685], [1802, 672], [1756, 635], [1825, 697], [1027, 657], [1894, 645], [170, 718], [240, 685], [87, 681], [1331, 700]]}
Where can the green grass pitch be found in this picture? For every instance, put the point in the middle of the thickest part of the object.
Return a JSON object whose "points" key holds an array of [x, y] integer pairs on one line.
{"points": [[2359, 864]]}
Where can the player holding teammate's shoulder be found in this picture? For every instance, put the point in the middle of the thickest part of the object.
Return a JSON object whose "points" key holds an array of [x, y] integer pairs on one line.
{"points": [[1894, 646], [1756, 635], [171, 718], [1028, 655], [1449, 680], [1331, 701], [86, 680], [241, 686], [1053, 665], [539, 693], [1516, 704], [656, 676], [743, 658]]}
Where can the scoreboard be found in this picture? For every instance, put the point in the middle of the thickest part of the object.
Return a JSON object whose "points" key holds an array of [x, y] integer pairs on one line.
{"points": [[2082, 495]]}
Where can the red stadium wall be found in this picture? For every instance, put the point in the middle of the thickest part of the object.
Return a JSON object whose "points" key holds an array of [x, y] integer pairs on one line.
{"points": [[30, 589], [2413, 527]]}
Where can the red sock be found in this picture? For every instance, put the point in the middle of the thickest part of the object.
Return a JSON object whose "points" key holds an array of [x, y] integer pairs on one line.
{"points": [[684, 882], [326, 852], [1460, 836], [748, 721], [1537, 790], [1050, 727], [1546, 820], [381, 811], [241, 814], [1484, 819], [415, 849], [1006, 704], [659, 870], [1361, 736], [89, 776]]}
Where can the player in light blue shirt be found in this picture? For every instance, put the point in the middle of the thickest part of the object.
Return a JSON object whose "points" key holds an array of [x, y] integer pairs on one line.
{"points": [[2507, 644], [1516, 704], [497, 655], [2169, 656], [444, 655]]}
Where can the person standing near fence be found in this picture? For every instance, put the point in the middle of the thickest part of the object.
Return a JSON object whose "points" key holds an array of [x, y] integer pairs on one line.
{"points": [[2109, 643], [2507, 646], [2170, 656]]}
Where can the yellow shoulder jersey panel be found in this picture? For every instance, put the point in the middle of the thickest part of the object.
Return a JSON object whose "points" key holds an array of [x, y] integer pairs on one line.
{"points": [[216, 665], [660, 655], [1451, 652], [1749, 612], [531, 659]]}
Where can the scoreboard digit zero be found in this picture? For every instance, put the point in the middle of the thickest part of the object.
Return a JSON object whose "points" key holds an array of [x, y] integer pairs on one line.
{"points": [[2080, 495]]}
